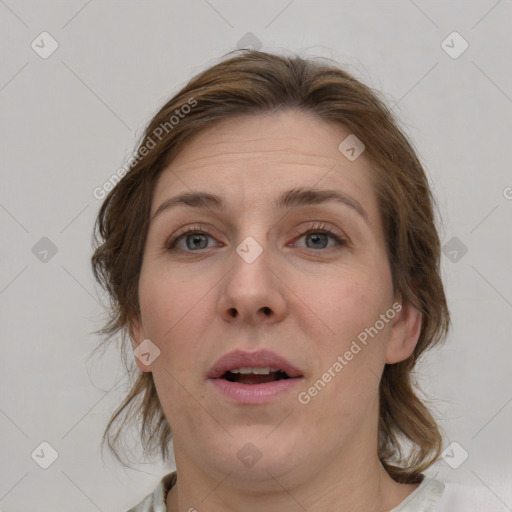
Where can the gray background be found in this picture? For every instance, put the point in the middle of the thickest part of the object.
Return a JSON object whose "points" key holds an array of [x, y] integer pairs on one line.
{"points": [[69, 122]]}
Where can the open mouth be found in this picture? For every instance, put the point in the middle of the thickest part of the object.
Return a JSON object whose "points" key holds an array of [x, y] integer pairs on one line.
{"points": [[254, 378], [258, 371]]}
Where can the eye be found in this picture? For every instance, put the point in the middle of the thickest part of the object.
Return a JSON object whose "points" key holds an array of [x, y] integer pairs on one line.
{"points": [[318, 235], [195, 237]]}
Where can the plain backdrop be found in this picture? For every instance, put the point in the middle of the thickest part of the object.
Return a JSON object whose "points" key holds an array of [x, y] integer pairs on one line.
{"points": [[71, 118]]}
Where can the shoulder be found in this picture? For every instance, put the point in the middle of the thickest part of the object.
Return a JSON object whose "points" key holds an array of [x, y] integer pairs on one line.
{"points": [[469, 498], [444, 496], [155, 502]]}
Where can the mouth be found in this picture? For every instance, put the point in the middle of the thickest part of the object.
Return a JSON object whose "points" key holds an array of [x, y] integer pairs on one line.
{"points": [[255, 375], [256, 367], [253, 378]]}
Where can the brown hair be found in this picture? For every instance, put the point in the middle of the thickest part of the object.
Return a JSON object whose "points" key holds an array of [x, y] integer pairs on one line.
{"points": [[253, 82]]}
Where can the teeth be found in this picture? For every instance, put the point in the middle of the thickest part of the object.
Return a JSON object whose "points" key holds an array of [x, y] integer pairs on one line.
{"points": [[256, 371]]}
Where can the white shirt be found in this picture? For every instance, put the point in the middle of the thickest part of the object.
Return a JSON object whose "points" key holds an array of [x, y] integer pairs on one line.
{"points": [[431, 496]]}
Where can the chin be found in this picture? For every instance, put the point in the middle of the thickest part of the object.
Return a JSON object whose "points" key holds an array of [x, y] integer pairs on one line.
{"points": [[258, 458]]}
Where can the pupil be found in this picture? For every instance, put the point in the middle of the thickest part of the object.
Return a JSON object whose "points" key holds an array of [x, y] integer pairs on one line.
{"points": [[316, 236], [197, 238]]}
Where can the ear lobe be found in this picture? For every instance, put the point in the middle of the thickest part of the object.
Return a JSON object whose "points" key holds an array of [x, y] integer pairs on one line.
{"points": [[404, 335], [137, 335]]}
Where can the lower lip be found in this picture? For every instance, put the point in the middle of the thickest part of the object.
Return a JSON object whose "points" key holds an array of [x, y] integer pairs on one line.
{"points": [[254, 393]]}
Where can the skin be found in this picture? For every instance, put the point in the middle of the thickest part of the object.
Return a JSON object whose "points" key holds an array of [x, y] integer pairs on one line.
{"points": [[306, 299]]}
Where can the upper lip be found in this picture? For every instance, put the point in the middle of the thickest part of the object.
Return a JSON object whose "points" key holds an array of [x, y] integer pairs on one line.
{"points": [[257, 359]]}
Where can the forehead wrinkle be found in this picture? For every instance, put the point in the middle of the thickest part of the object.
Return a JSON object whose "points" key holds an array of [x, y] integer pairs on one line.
{"points": [[291, 158], [292, 144], [195, 165]]}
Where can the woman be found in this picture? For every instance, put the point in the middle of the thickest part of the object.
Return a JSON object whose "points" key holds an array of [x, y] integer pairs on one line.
{"points": [[273, 256]]}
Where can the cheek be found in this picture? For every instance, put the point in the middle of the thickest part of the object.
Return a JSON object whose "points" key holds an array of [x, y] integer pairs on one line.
{"points": [[351, 357], [168, 304], [342, 304], [345, 380], [177, 313], [172, 313], [174, 317]]}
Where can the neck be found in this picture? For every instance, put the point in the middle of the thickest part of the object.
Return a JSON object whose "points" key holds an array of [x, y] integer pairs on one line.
{"points": [[368, 488], [348, 477]]}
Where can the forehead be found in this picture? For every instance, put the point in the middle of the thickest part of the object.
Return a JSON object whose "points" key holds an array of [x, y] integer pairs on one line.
{"points": [[250, 159], [288, 136]]}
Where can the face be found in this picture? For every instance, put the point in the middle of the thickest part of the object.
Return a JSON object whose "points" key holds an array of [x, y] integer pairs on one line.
{"points": [[306, 281]]}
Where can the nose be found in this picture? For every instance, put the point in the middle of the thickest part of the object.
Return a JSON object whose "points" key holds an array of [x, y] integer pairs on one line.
{"points": [[252, 292]]}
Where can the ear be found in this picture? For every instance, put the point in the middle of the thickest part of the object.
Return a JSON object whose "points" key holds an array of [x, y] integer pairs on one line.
{"points": [[137, 335], [405, 332]]}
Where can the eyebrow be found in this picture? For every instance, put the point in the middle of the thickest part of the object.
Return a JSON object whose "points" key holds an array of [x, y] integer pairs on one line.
{"points": [[293, 198]]}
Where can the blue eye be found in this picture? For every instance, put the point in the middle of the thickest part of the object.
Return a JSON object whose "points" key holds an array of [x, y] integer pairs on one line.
{"points": [[320, 236], [196, 239]]}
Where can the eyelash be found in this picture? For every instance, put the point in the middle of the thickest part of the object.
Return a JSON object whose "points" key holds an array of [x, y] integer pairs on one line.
{"points": [[197, 229]]}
